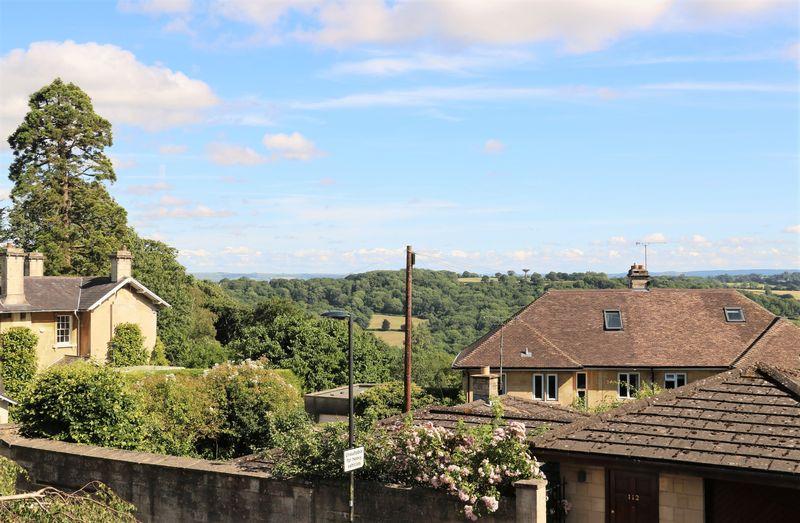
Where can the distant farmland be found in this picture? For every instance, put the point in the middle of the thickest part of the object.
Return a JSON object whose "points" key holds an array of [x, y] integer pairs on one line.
{"points": [[394, 336]]}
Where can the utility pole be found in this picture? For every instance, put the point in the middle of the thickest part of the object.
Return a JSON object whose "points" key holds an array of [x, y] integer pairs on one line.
{"points": [[409, 266]]}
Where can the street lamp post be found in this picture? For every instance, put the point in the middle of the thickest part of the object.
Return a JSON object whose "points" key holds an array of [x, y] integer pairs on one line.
{"points": [[344, 315]]}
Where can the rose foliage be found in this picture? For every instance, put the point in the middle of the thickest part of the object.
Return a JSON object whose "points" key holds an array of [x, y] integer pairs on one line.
{"points": [[476, 464]]}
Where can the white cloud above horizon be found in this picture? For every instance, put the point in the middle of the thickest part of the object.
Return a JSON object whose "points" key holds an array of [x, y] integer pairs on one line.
{"points": [[493, 146], [292, 146], [231, 154], [124, 90]]}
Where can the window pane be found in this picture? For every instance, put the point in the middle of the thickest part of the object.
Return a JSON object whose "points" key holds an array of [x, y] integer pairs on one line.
{"points": [[734, 314], [552, 386], [581, 380], [538, 387], [582, 394], [622, 386], [669, 381], [633, 380], [680, 380], [613, 320]]}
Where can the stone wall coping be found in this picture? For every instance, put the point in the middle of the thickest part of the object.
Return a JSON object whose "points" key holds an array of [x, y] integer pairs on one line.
{"points": [[130, 456], [533, 484]]}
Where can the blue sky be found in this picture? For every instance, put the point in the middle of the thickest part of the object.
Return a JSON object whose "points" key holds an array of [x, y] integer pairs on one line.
{"points": [[324, 136]]}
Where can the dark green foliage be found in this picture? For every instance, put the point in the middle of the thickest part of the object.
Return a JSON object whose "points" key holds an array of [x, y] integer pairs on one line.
{"points": [[388, 399], [385, 326], [9, 473], [61, 205], [785, 305], [81, 403], [126, 347], [17, 359], [158, 356], [315, 349], [202, 354], [252, 397]]}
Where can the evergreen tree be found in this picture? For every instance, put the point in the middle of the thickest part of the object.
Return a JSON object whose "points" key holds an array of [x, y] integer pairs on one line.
{"points": [[61, 206]]}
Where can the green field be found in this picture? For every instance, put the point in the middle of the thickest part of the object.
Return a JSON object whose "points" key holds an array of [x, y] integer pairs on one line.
{"points": [[777, 292], [394, 336], [476, 279]]}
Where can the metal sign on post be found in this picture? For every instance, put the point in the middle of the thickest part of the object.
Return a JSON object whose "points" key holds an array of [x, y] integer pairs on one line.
{"points": [[353, 459]]}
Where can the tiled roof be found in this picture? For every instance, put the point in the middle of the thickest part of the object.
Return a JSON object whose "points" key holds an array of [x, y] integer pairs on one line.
{"points": [[746, 419], [779, 345], [533, 414], [661, 328], [66, 293]]}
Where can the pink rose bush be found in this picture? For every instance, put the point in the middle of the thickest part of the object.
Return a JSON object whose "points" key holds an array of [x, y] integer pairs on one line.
{"points": [[476, 465]]}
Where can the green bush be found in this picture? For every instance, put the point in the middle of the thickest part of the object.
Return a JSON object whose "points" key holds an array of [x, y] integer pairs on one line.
{"points": [[126, 347], [183, 414], [158, 356], [202, 354], [385, 325], [9, 472], [252, 395], [81, 403], [388, 399], [17, 359]]}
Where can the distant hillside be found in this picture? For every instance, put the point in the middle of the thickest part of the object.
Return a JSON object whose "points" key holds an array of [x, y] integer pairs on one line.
{"points": [[261, 276], [714, 273]]}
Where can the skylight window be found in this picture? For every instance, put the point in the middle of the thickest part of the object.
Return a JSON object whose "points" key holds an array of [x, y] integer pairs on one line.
{"points": [[612, 320], [734, 315]]}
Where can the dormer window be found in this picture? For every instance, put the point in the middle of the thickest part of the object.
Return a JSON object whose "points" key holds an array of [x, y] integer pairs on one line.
{"points": [[612, 320], [734, 315]]}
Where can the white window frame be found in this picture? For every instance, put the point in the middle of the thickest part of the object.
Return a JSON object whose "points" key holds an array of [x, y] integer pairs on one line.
{"points": [[578, 389], [627, 382], [547, 394], [673, 376], [533, 387], [59, 330]]}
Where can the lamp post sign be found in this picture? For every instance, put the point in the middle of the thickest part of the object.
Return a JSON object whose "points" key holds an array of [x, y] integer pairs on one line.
{"points": [[353, 459]]}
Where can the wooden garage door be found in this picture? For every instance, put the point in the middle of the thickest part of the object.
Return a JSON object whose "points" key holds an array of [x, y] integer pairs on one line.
{"points": [[631, 497], [731, 502]]}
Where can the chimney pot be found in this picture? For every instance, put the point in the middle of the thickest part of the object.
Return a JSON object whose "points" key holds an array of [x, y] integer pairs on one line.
{"points": [[638, 277], [12, 275], [35, 264]]}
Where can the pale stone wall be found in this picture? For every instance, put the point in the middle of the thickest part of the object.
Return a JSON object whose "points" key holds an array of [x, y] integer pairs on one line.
{"points": [[680, 499], [43, 324], [588, 499], [123, 307]]}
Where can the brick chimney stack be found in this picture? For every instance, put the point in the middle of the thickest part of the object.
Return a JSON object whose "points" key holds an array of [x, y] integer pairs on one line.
{"points": [[35, 266], [638, 277], [12, 275], [121, 265]]}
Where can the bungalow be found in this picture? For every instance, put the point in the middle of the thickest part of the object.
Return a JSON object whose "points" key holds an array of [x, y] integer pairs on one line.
{"points": [[724, 448], [73, 316], [601, 346]]}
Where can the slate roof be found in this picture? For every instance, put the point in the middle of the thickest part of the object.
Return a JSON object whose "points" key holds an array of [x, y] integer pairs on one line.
{"points": [[779, 345], [533, 414], [69, 293], [746, 419], [669, 328]]}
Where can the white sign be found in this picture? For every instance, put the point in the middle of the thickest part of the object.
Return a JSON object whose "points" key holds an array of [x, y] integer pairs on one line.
{"points": [[353, 459]]}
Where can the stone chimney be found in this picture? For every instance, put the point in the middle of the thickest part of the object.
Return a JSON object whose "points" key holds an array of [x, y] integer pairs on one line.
{"points": [[484, 385], [638, 277], [35, 265], [12, 275], [121, 265]]}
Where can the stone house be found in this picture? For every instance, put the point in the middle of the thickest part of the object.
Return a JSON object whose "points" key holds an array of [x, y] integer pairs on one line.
{"points": [[722, 449], [600, 346], [73, 316]]}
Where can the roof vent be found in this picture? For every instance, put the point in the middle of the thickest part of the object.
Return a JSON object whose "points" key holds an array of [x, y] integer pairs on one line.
{"points": [[526, 353]]}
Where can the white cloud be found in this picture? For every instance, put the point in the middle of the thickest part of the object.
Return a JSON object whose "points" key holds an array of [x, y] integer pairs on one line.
{"points": [[655, 237], [428, 62], [229, 154], [493, 146], [146, 189], [5, 193], [572, 254], [170, 200], [172, 149], [195, 253], [122, 89], [428, 96], [617, 240], [795, 229], [613, 254], [723, 87], [263, 13], [122, 162], [241, 251], [293, 146], [198, 211], [155, 6], [698, 239]]}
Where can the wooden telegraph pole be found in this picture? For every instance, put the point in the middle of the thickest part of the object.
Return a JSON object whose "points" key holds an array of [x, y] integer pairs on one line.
{"points": [[409, 266]]}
